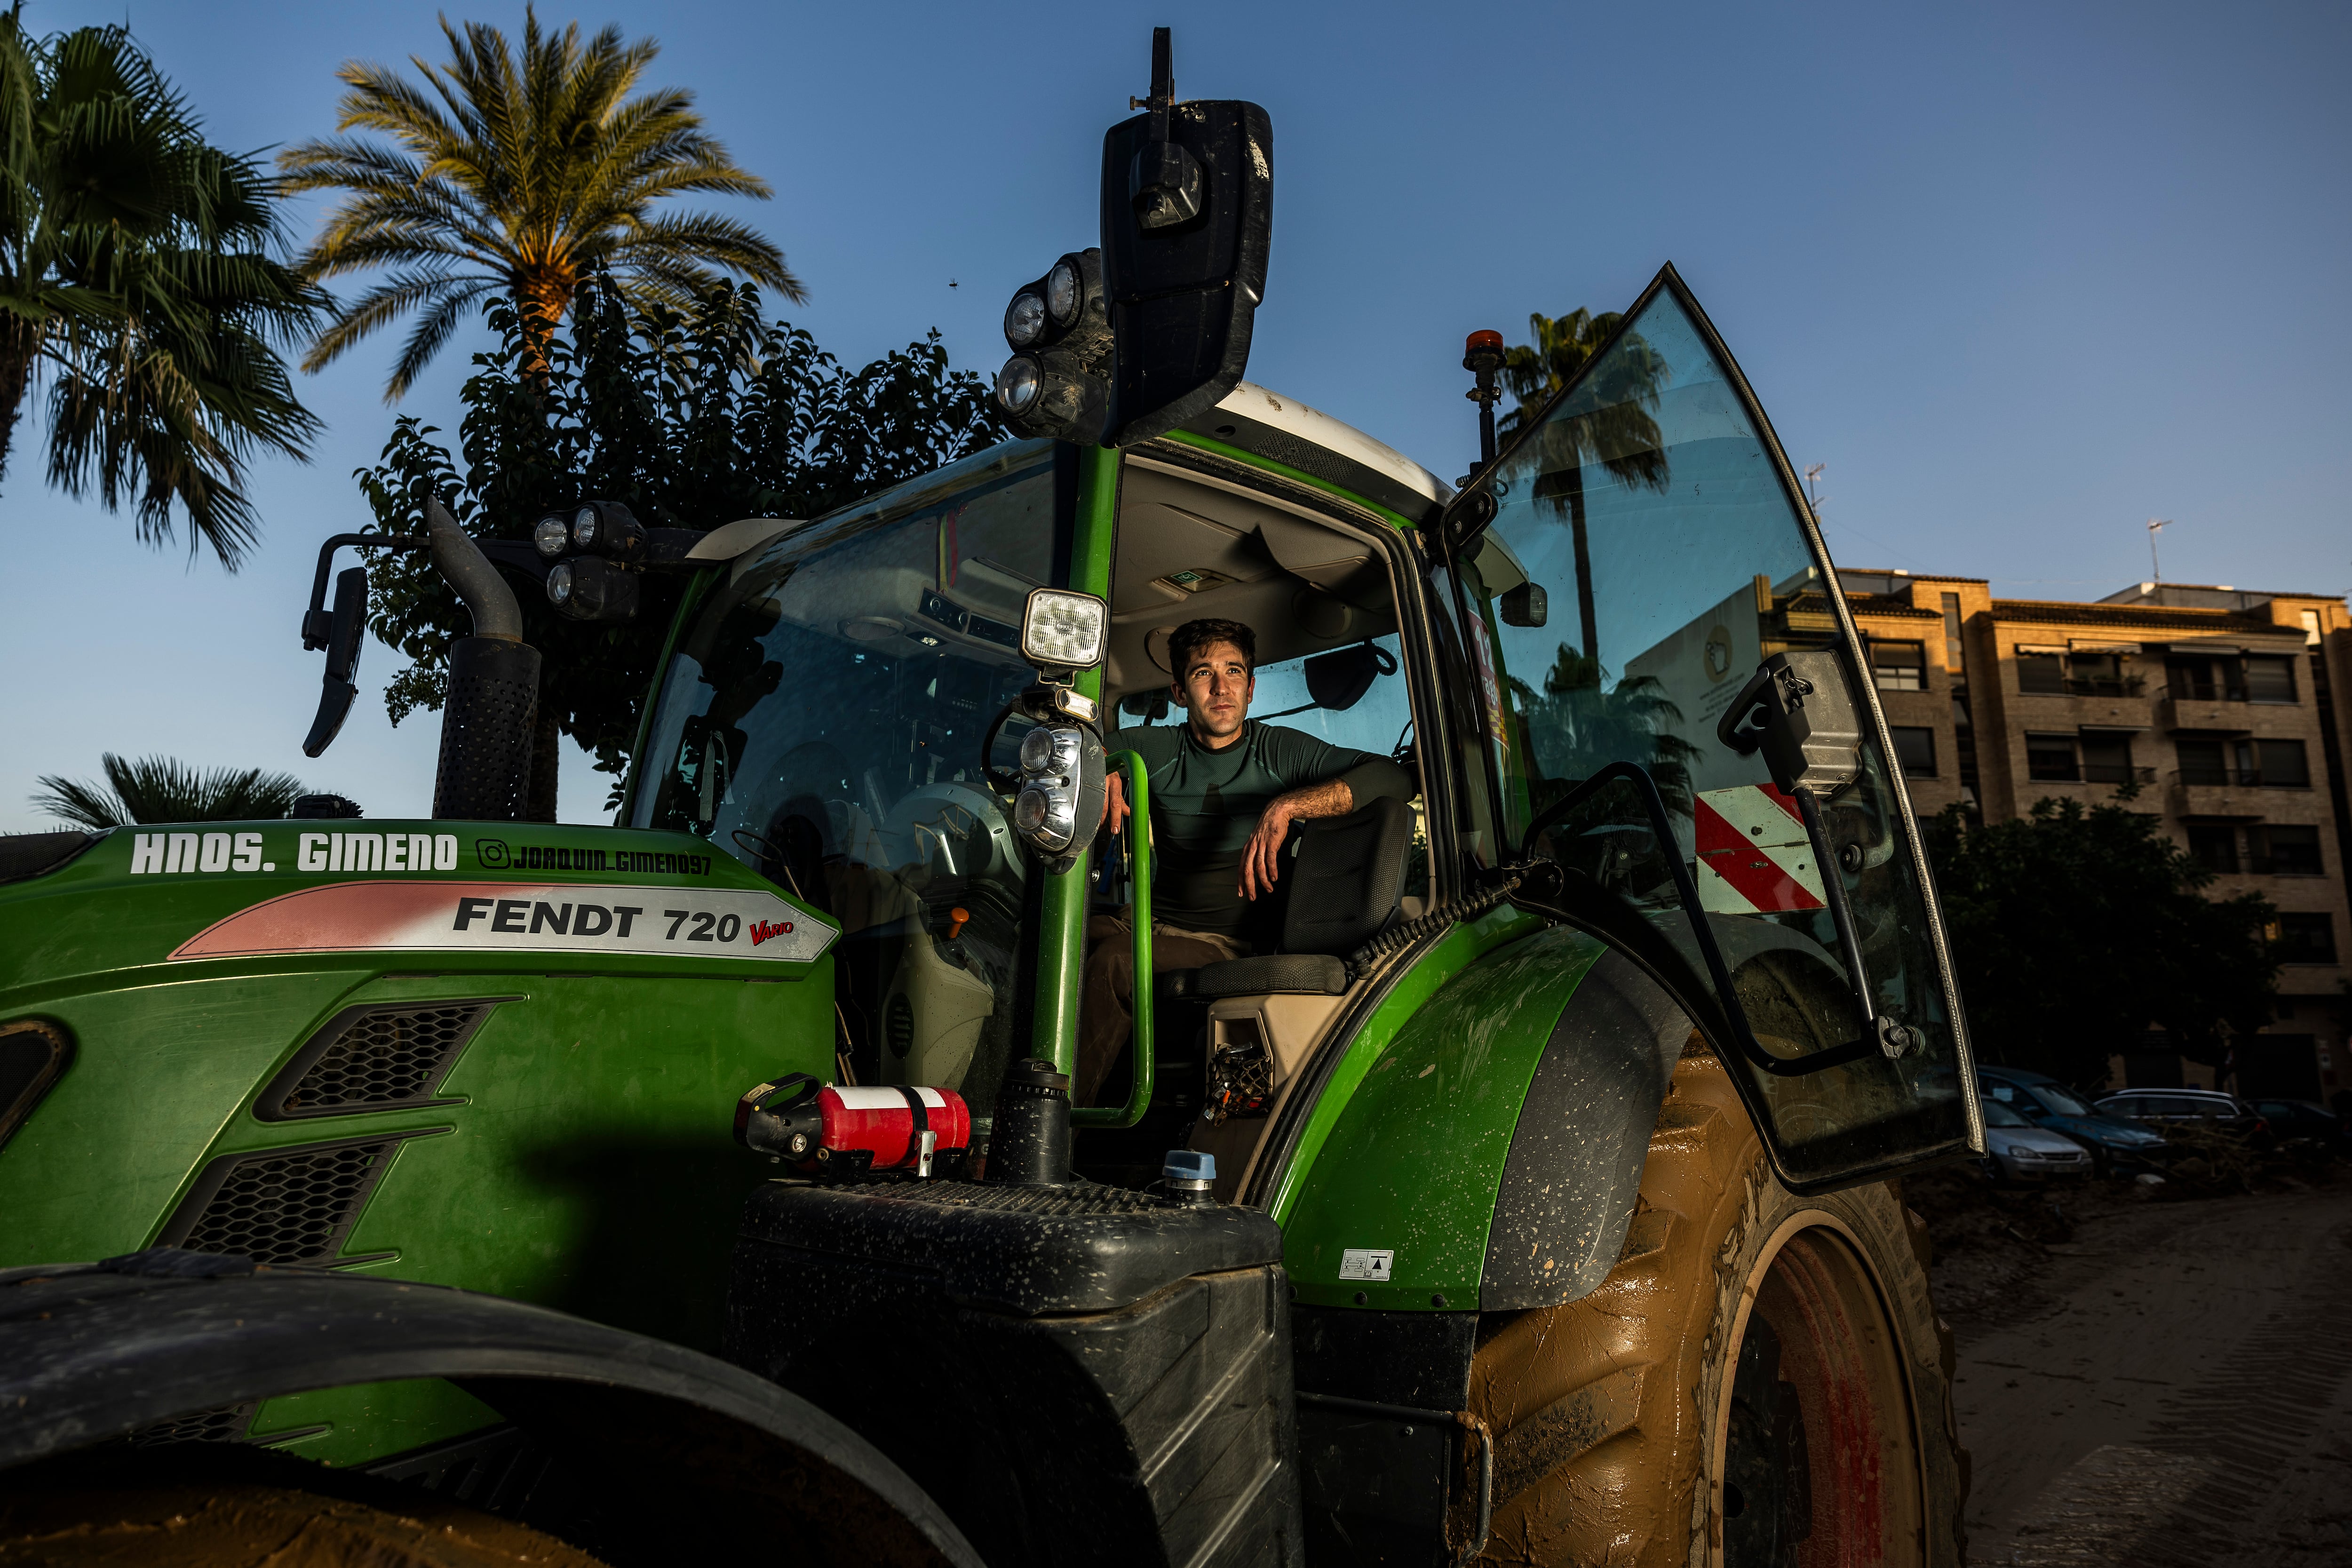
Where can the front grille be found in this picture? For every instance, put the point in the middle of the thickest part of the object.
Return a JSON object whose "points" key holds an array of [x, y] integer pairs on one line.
{"points": [[282, 1205], [226, 1425], [373, 1058]]}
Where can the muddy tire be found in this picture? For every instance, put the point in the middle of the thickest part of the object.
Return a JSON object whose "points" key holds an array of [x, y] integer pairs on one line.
{"points": [[1760, 1381], [200, 1514]]}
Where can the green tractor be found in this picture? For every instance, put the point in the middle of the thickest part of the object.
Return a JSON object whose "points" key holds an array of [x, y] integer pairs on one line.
{"points": [[1525, 1192]]}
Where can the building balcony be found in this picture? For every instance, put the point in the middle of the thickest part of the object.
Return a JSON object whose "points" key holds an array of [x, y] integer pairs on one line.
{"points": [[2227, 777], [2224, 793], [2213, 715], [2053, 771]]}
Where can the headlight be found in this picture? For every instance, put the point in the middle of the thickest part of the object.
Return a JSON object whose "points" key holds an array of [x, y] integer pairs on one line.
{"points": [[551, 536], [1024, 320], [583, 527], [1064, 293], [558, 582], [1047, 751], [1061, 629], [1018, 385]]}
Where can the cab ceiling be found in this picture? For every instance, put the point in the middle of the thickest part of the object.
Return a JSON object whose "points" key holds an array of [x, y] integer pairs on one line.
{"points": [[1302, 583]]}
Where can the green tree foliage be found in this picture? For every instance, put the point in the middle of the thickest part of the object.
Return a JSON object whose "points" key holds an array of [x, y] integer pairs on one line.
{"points": [[693, 418], [164, 789], [2077, 931], [140, 278], [530, 175]]}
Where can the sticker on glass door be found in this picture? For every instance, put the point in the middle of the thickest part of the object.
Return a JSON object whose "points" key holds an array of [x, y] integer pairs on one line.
{"points": [[1754, 856]]}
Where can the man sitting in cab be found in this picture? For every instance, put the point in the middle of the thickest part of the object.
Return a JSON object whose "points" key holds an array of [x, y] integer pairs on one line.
{"points": [[1224, 790]]}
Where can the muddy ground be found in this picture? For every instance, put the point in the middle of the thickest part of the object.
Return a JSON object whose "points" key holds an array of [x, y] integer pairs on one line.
{"points": [[2153, 1377]]}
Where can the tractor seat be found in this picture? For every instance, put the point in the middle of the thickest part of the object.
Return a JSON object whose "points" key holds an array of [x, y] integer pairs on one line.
{"points": [[1345, 878]]}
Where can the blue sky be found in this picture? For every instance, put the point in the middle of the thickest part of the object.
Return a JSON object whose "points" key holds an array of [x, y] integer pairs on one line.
{"points": [[2020, 276]]}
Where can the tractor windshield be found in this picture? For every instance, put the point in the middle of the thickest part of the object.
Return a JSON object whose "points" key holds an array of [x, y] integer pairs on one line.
{"points": [[1648, 552], [822, 721]]}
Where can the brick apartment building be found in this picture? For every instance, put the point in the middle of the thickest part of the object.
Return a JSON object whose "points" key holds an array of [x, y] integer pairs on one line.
{"points": [[2230, 708]]}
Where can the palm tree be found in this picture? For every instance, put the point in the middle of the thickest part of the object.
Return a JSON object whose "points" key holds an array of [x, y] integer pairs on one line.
{"points": [[164, 789], [1608, 421], [139, 278], [524, 178]]}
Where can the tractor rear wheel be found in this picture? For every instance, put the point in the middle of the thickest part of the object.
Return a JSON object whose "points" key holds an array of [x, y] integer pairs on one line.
{"points": [[209, 1511], [1760, 1382]]}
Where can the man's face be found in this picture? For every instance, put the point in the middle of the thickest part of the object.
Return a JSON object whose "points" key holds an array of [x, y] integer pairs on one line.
{"points": [[1216, 689]]}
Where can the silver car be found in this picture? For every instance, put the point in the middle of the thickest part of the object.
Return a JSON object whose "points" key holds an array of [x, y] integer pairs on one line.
{"points": [[2018, 1150]]}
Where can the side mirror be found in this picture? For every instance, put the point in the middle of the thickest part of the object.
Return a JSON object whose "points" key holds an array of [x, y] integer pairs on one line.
{"points": [[344, 636], [1525, 606], [1187, 220]]}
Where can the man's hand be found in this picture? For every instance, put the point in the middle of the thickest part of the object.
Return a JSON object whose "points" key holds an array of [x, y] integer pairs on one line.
{"points": [[1115, 802], [1262, 860]]}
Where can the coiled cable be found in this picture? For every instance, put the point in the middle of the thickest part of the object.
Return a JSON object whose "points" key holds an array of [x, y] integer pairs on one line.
{"points": [[1397, 938]]}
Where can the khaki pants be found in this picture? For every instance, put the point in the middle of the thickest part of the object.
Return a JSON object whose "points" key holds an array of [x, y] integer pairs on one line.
{"points": [[1106, 1004]]}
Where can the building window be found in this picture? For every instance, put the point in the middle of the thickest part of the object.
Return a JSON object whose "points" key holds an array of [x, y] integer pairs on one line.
{"points": [[2051, 757], [1915, 748], [2202, 762], [2205, 677], [2042, 672], [2286, 849], [1952, 660], [2304, 939], [2107, 758], [2099, 674], [2275, 764], [2270, 679], [1899, 666], [2214, 847]]}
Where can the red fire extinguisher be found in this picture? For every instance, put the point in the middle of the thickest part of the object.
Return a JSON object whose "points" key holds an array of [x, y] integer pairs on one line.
{"points": [[849, 1134]]}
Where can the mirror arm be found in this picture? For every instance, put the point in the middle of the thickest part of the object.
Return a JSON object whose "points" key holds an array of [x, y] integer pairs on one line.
{"points": [[1687, 887], [315, 619]]}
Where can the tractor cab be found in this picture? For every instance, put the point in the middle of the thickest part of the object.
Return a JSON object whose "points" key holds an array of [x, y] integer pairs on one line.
{"points": [[1590, 665]]}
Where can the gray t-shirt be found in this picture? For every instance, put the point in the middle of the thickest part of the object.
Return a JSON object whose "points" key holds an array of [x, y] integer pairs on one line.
{"points": [[1205, 805]]}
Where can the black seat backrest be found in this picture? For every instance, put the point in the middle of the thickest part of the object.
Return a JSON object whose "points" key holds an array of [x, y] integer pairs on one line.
{"points": [[1345, 878]]}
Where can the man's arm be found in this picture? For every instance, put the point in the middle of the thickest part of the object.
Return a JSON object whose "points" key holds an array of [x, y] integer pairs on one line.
{"points": [[1347, 779]]}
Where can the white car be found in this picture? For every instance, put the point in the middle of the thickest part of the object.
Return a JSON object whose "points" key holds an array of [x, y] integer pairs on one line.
{"points": [[2018, 1150]]}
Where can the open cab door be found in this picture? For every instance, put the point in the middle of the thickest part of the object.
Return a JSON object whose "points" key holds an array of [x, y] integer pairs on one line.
{"points": [[1688, 757]]}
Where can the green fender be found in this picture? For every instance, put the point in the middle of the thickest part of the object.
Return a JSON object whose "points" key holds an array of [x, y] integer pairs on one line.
{"points": [[1493, 1150]]}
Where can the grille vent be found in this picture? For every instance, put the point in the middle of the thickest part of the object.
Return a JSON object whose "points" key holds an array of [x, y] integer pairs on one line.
{"points": [[374, 1058], [898, 1025], [226, 1423], [282, 1205]]}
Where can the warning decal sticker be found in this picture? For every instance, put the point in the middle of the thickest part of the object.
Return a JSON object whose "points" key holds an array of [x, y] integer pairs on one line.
{"points": [[391, 916], [1754, 856]]}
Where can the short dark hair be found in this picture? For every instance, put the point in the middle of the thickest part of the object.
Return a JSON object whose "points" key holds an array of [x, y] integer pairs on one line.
{"points": [[1194, 635]]}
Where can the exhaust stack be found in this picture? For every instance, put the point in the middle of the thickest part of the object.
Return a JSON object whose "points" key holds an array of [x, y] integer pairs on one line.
{"points": [[492, 706]]}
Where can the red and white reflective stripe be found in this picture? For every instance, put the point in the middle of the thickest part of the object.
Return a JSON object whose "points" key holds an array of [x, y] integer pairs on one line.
{"points": [[1754, 856]]}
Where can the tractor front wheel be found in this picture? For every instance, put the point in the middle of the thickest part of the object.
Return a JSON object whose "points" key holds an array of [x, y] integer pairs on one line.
{"points": [[1760, 1382], [205, 1509]]}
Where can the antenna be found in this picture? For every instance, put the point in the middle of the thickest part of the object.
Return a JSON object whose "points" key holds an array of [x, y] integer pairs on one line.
{"points": [[2155, 567], [1813, 472]]}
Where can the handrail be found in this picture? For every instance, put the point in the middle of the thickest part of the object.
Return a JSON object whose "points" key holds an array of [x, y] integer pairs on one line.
{"points": [[1138, 873]]}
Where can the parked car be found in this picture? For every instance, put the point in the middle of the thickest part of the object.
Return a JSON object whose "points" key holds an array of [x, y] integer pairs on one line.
{"points": [[2045, 1102], [2018, 1150], [2205, 1108], [2303, 1122]]}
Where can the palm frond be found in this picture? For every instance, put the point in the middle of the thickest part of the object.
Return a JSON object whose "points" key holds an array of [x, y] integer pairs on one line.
{"points": [[534, 165], [164, 789]]}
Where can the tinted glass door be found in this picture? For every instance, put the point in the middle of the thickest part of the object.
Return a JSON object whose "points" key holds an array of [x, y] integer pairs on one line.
{"points": [[1651, 507]]}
